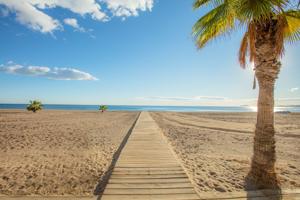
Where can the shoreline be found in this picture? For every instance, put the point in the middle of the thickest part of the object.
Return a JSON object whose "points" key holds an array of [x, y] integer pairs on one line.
{"points": [[163, 111], [140, 108]]}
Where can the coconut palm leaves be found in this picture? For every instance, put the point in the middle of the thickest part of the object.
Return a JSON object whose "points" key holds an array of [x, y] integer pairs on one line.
{"points": [[291, 29], [248, 45], [199, 3], [229, 15], [34, 106], [218, 21], [103, 108]]}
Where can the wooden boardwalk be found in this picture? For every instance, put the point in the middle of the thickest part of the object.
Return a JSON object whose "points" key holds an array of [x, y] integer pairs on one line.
{"points": [[147, 168]]}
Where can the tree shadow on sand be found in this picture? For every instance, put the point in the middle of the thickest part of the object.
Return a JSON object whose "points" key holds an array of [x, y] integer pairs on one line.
{"points": [[255, 191], [99, 189]]}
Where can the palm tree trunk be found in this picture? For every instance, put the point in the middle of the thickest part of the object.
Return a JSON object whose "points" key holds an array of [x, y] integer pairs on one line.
{"points": [[267, 68]]}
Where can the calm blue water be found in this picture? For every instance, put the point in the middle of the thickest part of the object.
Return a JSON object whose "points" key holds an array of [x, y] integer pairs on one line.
{"points": [[153, 108]]}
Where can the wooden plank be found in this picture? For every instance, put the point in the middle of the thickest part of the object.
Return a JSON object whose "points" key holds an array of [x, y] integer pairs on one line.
{"points": [[147, 172], [137, 191], [149, 176], [151, 197], [147, 165], [147, 168], [149, 185], [152, 180]]}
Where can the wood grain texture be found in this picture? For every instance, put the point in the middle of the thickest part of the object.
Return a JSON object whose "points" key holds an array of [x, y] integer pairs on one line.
{"points": [[147, 168]]}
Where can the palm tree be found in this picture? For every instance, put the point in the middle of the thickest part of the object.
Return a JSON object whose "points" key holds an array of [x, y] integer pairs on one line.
{"points": [[103, 108], [34, 106], [267, 24]]}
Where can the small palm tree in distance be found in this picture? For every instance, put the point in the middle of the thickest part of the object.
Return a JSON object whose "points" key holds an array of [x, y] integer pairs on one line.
{"points": [[34, 106], [103, 108]]}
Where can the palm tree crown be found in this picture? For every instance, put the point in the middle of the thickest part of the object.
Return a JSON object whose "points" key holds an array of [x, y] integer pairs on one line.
{"points": [[103, 108], [34, 106], [229, 15]]}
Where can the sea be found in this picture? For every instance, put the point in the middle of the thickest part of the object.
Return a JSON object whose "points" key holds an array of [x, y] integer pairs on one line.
{"points": [[154, 108]]}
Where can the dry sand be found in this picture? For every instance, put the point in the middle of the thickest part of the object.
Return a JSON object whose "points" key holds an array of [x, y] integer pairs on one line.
{"points": [[216, 148], [58, 152]]}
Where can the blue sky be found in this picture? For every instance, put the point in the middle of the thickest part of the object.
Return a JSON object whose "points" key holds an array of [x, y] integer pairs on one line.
{"points": [[125, 52]]}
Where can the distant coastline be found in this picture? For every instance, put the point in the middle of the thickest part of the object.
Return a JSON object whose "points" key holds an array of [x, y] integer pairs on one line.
{"points": [[244, 108]]}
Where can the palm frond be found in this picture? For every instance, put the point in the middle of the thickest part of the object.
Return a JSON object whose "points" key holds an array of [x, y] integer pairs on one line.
{"points": [[292, 28], [248, 45], [252, 39], [280, 27], [259, 10], [198, 3], [215, 23], [244, 50]]}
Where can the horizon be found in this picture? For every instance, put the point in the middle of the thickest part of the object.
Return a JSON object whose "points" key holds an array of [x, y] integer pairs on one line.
{"points": [[140, 105], [125, 54]]}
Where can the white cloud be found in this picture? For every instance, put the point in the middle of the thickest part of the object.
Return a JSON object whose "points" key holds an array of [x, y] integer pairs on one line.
{"points": [[188, 101], [31, 12], [210, 101], [294, 89], [73, 22], [33, 18], [41, 71], [288, 99], [184, 99], [70, 74], [126, 8], [82, 7]]}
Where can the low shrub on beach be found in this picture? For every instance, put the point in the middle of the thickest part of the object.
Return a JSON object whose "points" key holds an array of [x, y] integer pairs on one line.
{"points": [[34, 106], [103, 108]]}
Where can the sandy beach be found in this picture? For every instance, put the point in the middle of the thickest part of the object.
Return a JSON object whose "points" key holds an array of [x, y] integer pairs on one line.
{"points": [[68, 152], [58, 152], [216, 148]]}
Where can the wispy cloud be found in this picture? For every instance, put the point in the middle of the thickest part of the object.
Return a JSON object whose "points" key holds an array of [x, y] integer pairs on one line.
{"points": [[288, 99], [184, 99], [127, 8], [211, 101], [28, 15], [31, 12], [73, 23], [294, 89], [55, 73]]}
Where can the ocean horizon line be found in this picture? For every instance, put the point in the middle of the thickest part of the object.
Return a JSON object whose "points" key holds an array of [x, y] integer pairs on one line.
{"points": [[188, 108], [72, 104]]}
